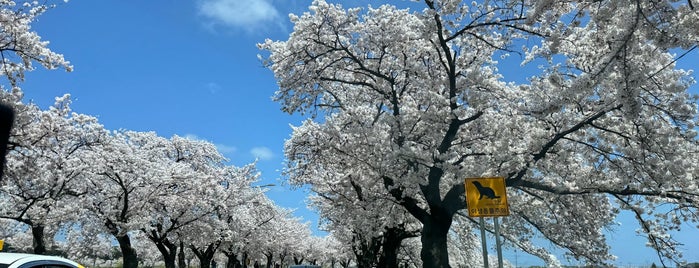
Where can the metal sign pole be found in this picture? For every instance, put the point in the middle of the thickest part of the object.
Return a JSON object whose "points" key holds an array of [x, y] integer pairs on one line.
{"points": [[498, 245], [487, 197], [483, 243]]}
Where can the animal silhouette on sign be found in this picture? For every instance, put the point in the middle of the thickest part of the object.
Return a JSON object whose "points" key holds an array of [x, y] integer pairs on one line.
{"points": [[485, 191]]}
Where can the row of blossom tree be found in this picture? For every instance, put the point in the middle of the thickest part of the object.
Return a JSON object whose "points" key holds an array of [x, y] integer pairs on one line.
{"points": [[72, 185]]}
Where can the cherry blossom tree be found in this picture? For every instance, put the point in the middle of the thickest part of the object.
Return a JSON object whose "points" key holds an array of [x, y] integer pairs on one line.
{"points": [[127, 173], [376, 234], [87, 246], [20, 47], [193, 190], [299, 252], [45, 167], [15, 235], [237, 200], [422, 100], [251, 228], [127, 186], [271, 237], [337, 253], [148, 254]]}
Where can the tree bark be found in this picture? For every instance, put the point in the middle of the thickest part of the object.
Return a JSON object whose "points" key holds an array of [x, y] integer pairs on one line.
{"points": [[434, 251], [282, 257], [205, 257], [436, 221], [180, 257], [392, 239], [245, 260], [169, 252], [128, 253], [367, 251], [231, 259], [38, 239], [269, 257]]}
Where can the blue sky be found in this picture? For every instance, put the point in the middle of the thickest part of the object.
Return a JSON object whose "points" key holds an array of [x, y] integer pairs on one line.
{"points": [[190, 68]]}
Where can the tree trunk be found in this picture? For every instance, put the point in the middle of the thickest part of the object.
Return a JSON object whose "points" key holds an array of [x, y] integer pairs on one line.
{"points": [[180, 257], [298, 260], [205, 257], [269, 260], [129, 257], [392, 239], [245, 260], [434, 251], [169, 252], [282, 257], [38, 239], [205, 262], [231, 259], [436, 220], [367, 251]]}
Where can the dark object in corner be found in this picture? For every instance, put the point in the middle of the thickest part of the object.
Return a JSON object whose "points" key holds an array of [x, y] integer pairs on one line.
{"points": [[7, 116]]}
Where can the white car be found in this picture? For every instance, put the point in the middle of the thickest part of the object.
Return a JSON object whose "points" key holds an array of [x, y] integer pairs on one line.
{"points": [[23, 260]]}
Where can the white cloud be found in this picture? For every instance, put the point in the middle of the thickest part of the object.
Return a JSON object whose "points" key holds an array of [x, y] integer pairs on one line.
{"points": [[213, 87], [222, 148], [262, 153], [193, 137], [238, 13], [226, 149]]}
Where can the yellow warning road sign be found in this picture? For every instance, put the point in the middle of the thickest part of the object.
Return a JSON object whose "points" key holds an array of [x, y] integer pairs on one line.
{"points": [[486, 197]]}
